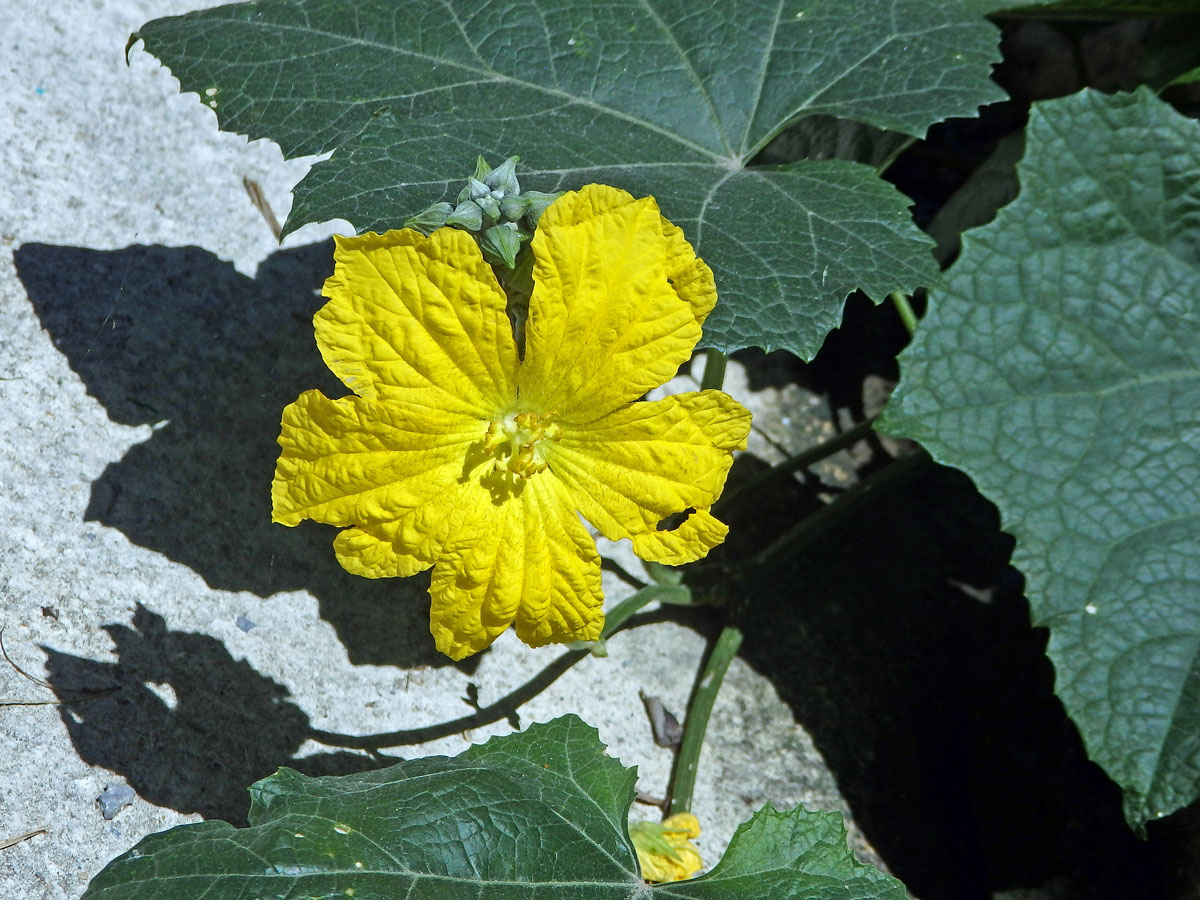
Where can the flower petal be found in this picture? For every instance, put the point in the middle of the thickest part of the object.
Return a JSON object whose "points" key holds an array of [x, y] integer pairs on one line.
{"points": [[527, 559], [689, 274], [418, 320], [633, 468], [395, 549], [415, 541], [605, 323], [573, 609], [698, 533], [352, 461]]}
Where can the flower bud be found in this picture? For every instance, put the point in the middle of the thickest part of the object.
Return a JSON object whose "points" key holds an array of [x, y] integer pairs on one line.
{"points": [[514, 206], [500, 245], [490, 206], [466, 215], [503, 179], [430, 218], [477, 189], [538, 201]]}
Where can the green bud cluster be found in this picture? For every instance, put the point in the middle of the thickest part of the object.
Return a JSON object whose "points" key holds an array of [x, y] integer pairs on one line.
{"points": [[493, 208]]}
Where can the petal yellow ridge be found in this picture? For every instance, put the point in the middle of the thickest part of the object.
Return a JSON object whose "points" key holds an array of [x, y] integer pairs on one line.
{"points": [[605, 322], [692, 540], [646, 461], [573, 608], [351, 461], [418, 538], [690, 276], [406, 546], [418, 320], [527, 559]]}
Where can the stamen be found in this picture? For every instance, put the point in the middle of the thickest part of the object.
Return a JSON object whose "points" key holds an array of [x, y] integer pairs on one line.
{"points": [[513, 441]]}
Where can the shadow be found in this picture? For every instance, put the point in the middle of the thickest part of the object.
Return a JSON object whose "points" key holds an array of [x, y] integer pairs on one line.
{"points": [[177, 339], [932, 702], [183, 722]]}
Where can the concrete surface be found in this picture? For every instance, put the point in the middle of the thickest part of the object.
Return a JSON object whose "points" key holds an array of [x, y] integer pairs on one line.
{"points": [[152, 332]]}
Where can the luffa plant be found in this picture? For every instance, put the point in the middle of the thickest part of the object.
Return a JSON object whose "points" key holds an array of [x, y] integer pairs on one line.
{"points": [[498, 349]]}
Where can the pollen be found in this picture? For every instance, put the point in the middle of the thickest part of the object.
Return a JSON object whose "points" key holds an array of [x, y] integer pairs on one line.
{"points": [[513, 442]]}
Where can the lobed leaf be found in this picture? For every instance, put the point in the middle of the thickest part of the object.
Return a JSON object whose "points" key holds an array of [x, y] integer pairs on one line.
{"points": [[660, 97], [1059, 366], [540, 813]]}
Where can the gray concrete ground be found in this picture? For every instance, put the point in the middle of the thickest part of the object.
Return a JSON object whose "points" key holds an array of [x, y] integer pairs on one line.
{"points": [[152, 332]]}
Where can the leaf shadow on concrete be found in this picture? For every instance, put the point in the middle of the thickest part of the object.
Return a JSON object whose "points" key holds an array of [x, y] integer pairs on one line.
{"points": [[191, 728], [184, 723], [932, 702], [177, 339]]}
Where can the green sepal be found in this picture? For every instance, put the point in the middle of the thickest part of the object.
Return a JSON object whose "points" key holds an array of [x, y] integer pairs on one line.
{"points": [[503, 178], [538, 202], [651, 837], [431, 218], [466, 215], [514, 207], [500, 245]]}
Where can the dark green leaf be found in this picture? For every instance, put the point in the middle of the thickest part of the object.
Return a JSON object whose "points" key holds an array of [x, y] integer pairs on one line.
{"points": [[659, 97], [1060, 367], [536, 814]]}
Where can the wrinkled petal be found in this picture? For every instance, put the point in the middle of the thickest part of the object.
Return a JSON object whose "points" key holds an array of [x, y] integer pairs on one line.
{"points": [[420, 321], [572, 610], [699, 533], [528, 559], [352, 461], [605, 322], [401, 548], [690, 276], [633, 468]]}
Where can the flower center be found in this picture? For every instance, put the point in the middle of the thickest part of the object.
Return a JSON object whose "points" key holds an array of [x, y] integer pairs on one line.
{"points": [[513, 441]]}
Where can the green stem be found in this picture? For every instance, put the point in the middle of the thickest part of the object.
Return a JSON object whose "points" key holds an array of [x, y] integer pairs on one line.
{"points": [[714, 370], [665, 593], [704, 694], [907, 316], [894, 155], [506, 706], [748, 488]]}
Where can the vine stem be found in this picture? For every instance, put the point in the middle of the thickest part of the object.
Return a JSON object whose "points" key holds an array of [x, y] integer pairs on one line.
{"points": [[664, 593], [704, 691], [714, 370], [749, 575], [507, 705], [907, 316], [700, 705]]}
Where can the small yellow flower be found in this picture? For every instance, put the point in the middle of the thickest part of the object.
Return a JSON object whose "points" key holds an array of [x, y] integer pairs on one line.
{"points": [[664, 851], [455, 453]]}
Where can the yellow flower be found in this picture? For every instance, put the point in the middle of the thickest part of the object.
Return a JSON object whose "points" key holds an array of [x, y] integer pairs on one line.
{"points": [[664, 851], [455, 453]]}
